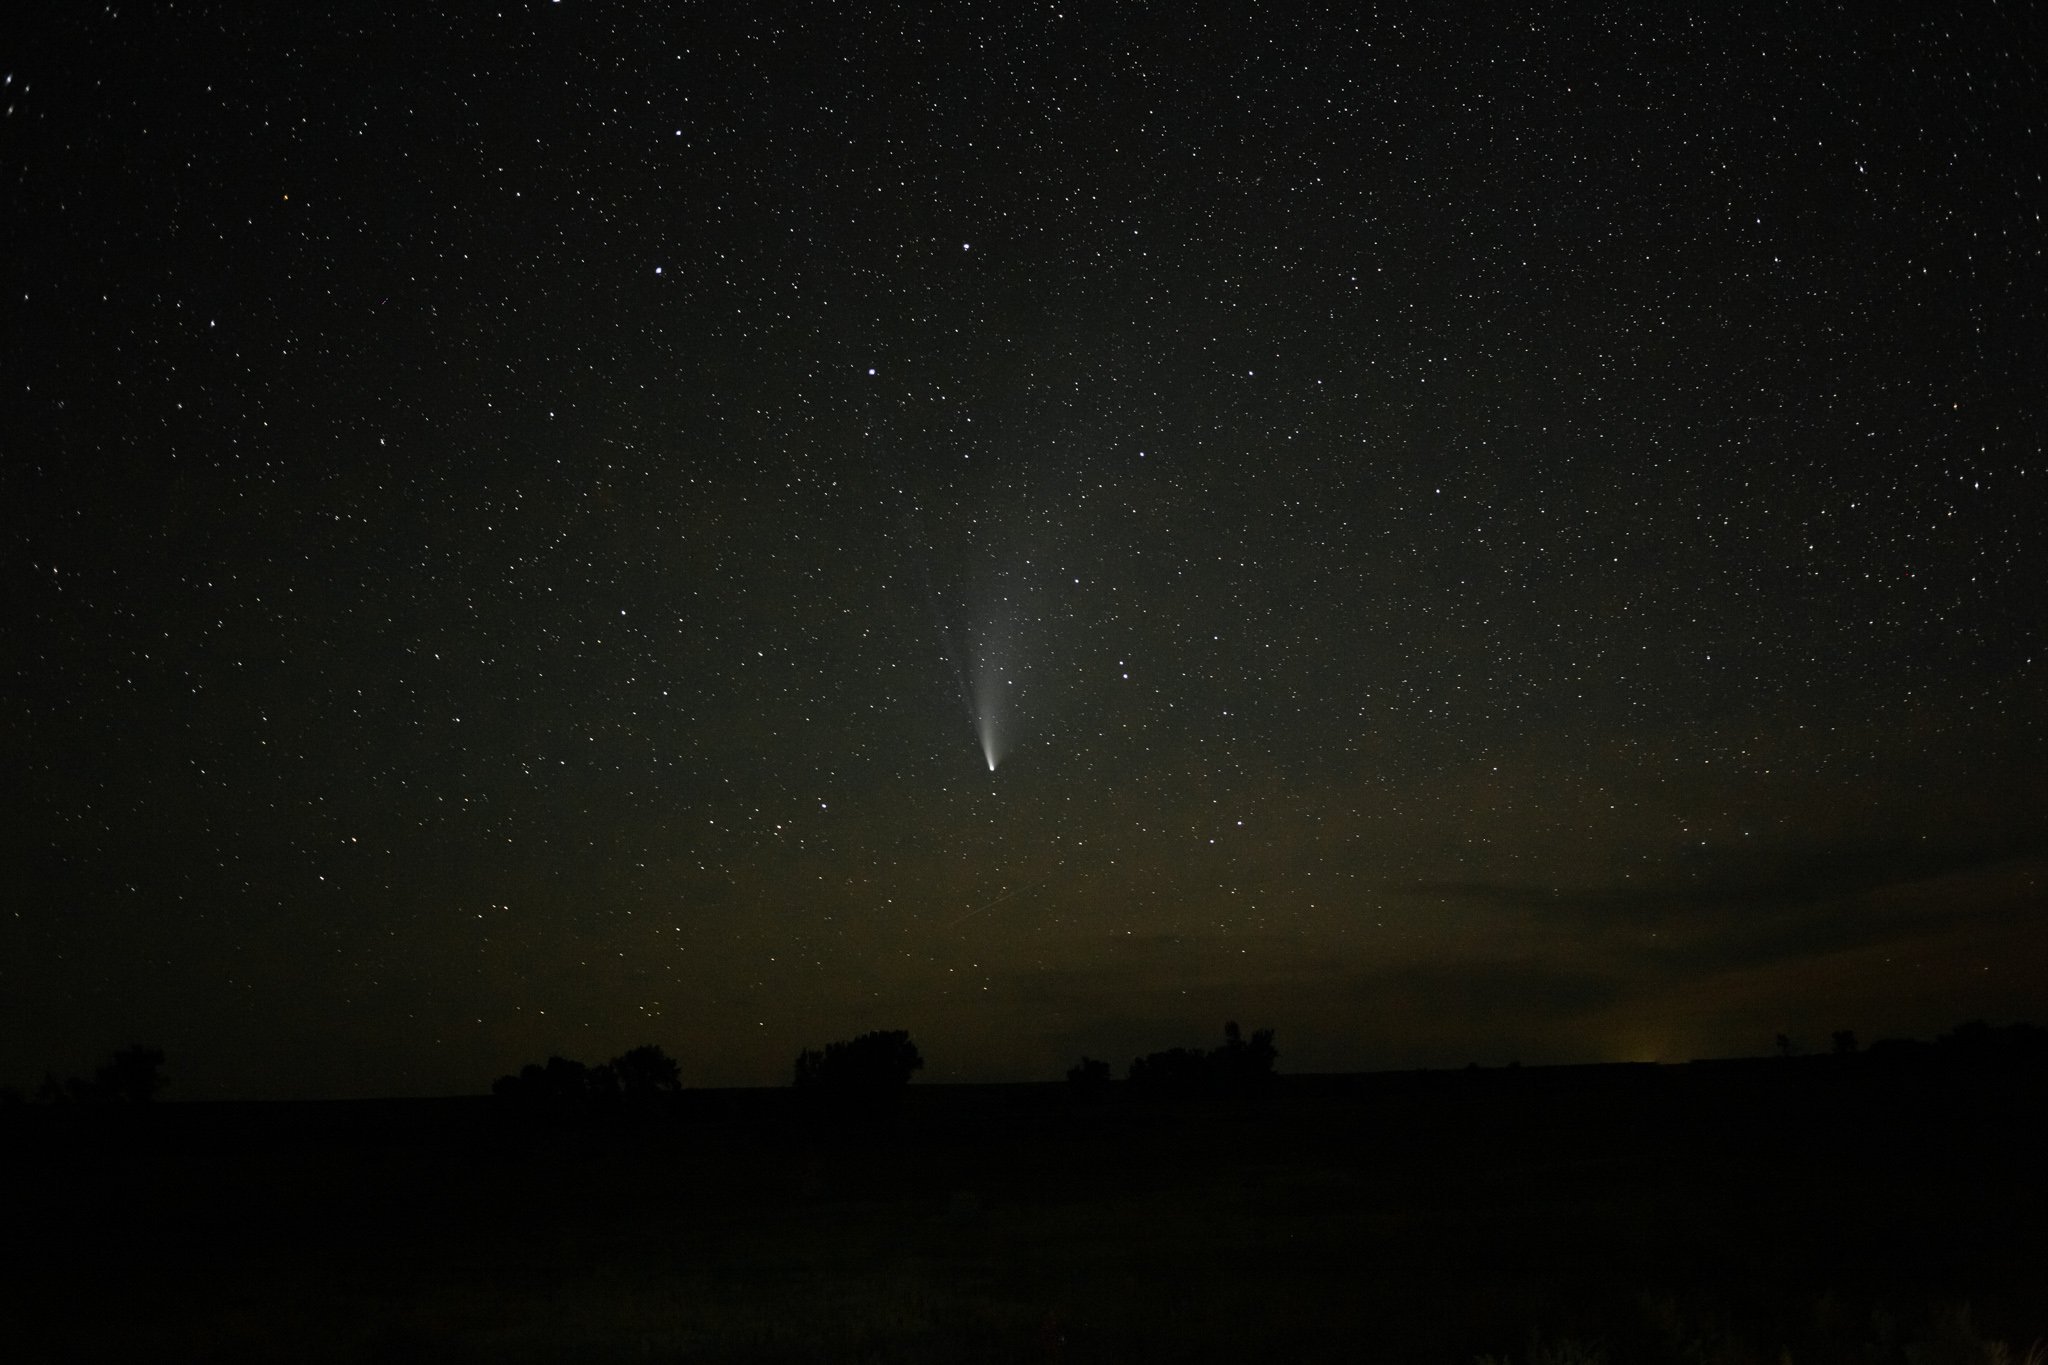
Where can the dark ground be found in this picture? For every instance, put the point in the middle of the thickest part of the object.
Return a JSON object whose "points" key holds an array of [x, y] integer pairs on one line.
{"points": [[1810, 1210]]}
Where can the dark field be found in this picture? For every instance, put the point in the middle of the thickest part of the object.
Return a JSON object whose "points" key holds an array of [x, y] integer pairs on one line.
{"points": [[1812, 1210]]}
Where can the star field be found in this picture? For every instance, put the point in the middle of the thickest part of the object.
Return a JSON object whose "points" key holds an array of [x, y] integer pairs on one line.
{"points": [[1481, 537]]}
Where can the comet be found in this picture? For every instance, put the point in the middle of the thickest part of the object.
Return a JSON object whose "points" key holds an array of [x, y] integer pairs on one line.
{"points": [[985, 657], [991, 683]]}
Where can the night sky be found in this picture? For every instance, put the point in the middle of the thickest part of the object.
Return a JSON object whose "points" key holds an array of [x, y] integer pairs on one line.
{"points": [[548, 527]]}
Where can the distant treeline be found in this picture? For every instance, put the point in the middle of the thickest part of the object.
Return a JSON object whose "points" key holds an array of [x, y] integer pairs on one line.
{"points": [[134, 1075], [874, 1062], [882, 1063], [644, 1077], [1241, 1067], [869, 1069], [1975, 1041], [866, 1068]]}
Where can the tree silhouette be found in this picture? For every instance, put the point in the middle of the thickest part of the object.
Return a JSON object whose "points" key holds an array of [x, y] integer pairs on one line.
{"points": [[1239, 1067], [562, 1088], [1973, 1036], [568, 1084], [647, 1075], [1176, 1072], [1088, 1078], [133, 1075], [1978, 1041], [873, 1062], [1845, 1042], [640, 1078]]}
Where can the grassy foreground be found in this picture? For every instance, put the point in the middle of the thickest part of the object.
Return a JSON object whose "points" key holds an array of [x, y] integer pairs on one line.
{"points": [[1762, 1212]]}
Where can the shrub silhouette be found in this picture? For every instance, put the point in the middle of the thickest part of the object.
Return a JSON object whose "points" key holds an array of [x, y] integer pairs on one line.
{"points": [[1240, 1067], [1844, 1044], [879, 1062]]}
